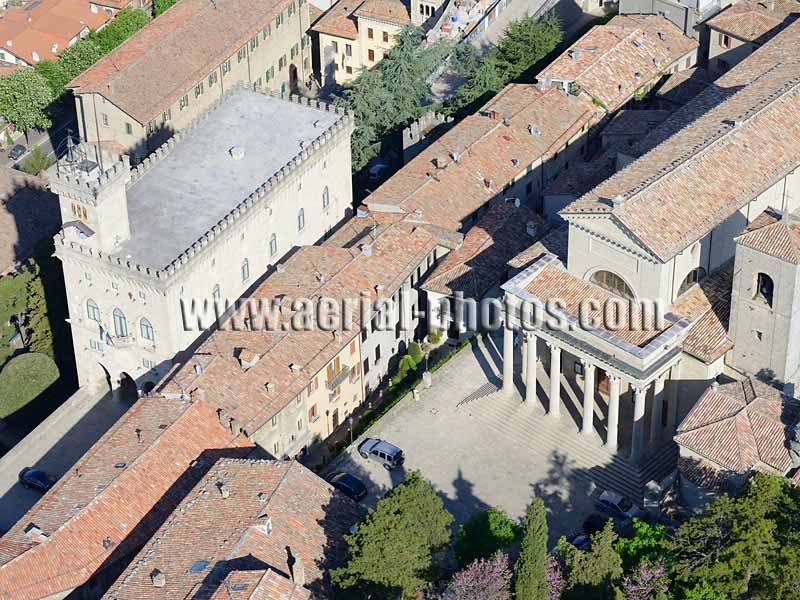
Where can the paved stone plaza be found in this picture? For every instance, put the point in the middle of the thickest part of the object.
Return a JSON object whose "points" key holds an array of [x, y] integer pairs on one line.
{"points": [[480, 448]]}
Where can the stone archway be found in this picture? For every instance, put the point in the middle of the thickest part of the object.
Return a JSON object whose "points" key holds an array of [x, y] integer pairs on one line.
{"points": [[127, 390]]}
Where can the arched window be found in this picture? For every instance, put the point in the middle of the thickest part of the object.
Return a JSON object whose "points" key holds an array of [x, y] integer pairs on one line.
{"points": [[92, 310], [325, 198], [764, 288], [613, 283], [147, 330], [215, 294], [273, 245], [245, 270], [694, 276], [120, 323], [301, 220]]}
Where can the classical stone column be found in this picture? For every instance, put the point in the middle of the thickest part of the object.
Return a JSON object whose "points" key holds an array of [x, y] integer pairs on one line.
{"points": [[658, 407], [637, 437], [613, 411], [508, 359], [555, 380], [530, 374], [524, 353], [588, 397]]}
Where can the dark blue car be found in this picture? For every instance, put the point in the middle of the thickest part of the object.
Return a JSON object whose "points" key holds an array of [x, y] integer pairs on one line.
{"points": [[350, 486], [36, 479]]}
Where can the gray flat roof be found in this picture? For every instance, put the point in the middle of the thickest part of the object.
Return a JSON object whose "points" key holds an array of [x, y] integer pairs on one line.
{"points": [[198, 182]]}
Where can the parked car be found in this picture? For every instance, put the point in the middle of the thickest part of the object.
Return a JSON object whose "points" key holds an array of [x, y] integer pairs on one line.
{"points": [[17, 152], [617, 506], [594, 523], [580, 540], [36, 479], [376, 170], [390, 456], [350, 486]]}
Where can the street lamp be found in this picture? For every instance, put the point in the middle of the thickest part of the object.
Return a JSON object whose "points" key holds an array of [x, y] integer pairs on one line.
{"points": [[350, 423]]}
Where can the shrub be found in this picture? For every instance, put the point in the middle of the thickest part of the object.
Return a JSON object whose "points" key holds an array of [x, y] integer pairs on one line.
{"points": [[37, 162], [415, 352], [484, 534]]}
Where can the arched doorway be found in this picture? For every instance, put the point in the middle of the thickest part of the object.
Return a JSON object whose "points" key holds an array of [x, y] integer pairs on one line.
{"points": [[292, 78], [127, 388], [101, 379]]}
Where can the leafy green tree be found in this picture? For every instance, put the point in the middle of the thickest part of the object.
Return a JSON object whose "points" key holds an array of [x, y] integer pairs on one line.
{"points": [[484, 534], [530, 571], [75, 59], [591, 573], [703, 591], [415, 352], [394, 547], [127, 22], [53, 75], [526, 42], [37, 162], [24, 98], [645, 544], [735, 545]]}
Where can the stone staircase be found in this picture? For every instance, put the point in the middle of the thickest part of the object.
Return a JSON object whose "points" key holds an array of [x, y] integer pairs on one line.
{"points": [[582, 457]]}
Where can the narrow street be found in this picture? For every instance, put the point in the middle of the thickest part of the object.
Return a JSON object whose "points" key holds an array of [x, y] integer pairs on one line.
{"points": [[49, 140]]}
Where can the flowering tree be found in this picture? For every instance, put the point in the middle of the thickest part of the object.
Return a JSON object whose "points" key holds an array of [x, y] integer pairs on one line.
{"points": [[648, 582], [555, 578], [488, 579]]}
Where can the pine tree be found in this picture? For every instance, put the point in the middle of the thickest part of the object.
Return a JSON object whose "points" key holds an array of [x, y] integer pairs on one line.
{"points": [[393, 548], [531, 568], [591, 573]]}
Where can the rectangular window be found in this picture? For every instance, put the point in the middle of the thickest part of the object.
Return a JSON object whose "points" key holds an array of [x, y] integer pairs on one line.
{"points": [[312, 413], [349, 70], [353, 347], [348, 50], [385, 54], [724, 40], [276, 448], [370, 33], [128, 128], [166, 116], [241, 54], [212, 78], [282, 62], [366, 366], [184, 102], [335, 47], [226, 67], [371, 55], [198, 90], [274, 422], [278, 21], [377, 353], [266, 31], [299, 424], [105, 119], [335, 66], [254, 42], [386, 36]]}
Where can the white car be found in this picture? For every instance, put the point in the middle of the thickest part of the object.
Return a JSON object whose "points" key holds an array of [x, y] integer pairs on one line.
{"points": [[616, 505]]}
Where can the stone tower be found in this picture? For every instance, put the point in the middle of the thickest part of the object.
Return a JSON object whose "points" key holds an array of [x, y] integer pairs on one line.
{"points": [[93, 202]]}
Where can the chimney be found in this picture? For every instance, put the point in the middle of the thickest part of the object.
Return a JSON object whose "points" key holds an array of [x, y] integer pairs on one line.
{"points": [[139, 436], [158, 578], [299, 569], [715, 385], [366, 249], [618, 200], [224, 489], [771, 4]]}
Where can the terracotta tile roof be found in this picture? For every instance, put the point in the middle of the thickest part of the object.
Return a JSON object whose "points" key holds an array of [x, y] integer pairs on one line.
{"points": [[312, 272], [481, 262], [388, 11], [555, 242], [29, 212], [262, 584], [553, 283], [708, 305], [679, 88], [245, 515], [314, 13], [491, 152], [634, 123], [116, 496], [775, 235], [47, 27], [339, 20], [702, 474], [582, 175], [740, 426], [159, 63], [737, 139], [753, 21], [610, 62]]}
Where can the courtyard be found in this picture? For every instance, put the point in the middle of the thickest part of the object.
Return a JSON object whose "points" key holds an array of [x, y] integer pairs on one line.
{"points": [[481, 448]]}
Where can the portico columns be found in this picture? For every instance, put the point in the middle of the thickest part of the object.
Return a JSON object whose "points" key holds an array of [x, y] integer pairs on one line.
{"points": [[588, 397], [508, 359], [524, 345], [613, 411], [530, 374], [555, 380], [639, 395], [658, 408]]}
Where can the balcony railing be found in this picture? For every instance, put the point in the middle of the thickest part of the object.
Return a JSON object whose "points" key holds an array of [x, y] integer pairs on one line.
{"points": [[338, 379]]}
